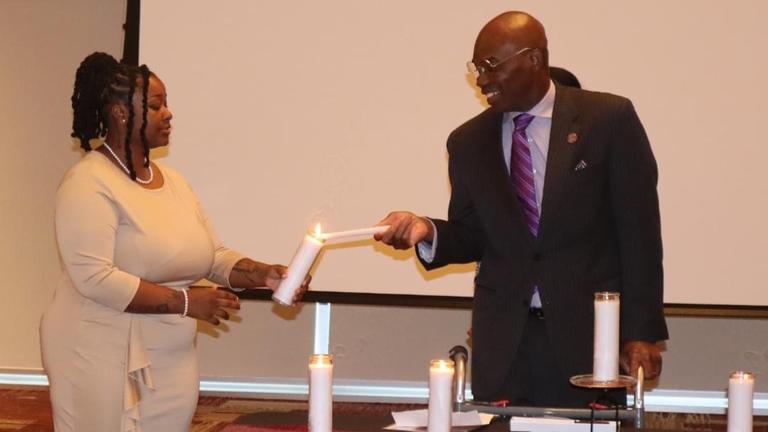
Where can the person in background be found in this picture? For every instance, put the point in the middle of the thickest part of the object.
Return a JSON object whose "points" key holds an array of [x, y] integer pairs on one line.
{"points": [[563, 77], [118, 340], [553, 192]]}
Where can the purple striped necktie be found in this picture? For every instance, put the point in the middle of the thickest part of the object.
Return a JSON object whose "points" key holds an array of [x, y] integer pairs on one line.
{"points": [[521, 173]]}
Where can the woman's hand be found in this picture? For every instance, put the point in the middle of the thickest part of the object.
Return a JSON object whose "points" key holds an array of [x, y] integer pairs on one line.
{"points": [[276, 273], [208, 304]]}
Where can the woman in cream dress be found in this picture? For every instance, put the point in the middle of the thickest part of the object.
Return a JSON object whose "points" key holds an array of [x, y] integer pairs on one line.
{"points": [[118, 340]]}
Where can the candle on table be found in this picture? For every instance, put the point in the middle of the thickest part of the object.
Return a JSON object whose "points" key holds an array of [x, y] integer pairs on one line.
{"points": [[360, 232], [440, 387], [605, 366], [320, 393], [740, 394], [299, 267]]}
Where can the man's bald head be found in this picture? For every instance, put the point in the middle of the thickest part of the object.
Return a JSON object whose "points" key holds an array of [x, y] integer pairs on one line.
{"points": [[517, 28], [517, 43]]}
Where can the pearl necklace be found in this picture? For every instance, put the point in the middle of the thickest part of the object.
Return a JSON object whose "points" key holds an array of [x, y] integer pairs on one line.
{"points": [[125, 168]]}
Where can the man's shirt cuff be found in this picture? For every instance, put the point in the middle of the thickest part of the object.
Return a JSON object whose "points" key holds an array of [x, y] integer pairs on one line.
{"points": [[425, 249]]}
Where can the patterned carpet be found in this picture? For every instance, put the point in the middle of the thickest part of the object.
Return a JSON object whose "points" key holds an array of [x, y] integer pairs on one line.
{"points": [[28, 410]]}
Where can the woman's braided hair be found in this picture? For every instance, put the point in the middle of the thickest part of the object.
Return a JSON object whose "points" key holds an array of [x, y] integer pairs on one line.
{"points": [[100, 81]]}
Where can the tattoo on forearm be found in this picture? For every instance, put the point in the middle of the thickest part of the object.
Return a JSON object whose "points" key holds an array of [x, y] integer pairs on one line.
{"points": [[250, 270], [163, 307], [172, 296]]}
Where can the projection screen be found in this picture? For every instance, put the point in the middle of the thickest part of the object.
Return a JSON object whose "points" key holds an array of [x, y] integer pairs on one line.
{"points": [[289, 114]]}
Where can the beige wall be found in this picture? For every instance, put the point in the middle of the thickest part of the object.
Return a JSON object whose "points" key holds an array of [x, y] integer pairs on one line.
{"points": [[41, 43]]}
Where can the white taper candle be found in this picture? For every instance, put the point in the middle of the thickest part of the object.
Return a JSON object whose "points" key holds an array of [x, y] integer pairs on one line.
{"points": [[349, 234], [320, 393], [440, 387], [605, 366], [741, 386]]}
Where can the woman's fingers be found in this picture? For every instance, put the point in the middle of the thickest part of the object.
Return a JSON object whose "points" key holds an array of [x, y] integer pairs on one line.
{"points": [[212, 304], [222, 313], [228, 300]]}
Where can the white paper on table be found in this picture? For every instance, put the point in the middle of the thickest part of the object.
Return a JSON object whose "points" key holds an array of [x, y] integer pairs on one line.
{"points": [[413, 420], [555, 424]]}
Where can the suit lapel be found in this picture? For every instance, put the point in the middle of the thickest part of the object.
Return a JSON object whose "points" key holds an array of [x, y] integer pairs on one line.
{"points": [[560, 156], [493, 158], [493, 153]]}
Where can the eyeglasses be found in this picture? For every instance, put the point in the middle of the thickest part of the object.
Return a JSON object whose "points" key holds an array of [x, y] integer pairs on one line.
{"points": [[490, 64]]}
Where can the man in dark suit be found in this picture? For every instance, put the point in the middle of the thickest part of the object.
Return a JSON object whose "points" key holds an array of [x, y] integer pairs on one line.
{"points": [[553, 192]]}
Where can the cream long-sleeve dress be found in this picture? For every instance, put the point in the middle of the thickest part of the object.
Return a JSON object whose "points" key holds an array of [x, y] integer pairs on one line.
{"points": [[110, 370]]}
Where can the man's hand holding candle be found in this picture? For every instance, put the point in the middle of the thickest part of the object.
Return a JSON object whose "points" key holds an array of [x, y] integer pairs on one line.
{"points": [[405, 230]]}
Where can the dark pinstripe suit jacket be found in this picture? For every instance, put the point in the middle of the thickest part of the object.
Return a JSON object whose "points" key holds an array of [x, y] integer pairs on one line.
{"points": [[599, 231]]}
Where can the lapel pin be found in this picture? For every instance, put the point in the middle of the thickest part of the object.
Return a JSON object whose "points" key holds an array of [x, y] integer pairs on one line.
{"points": [[573, 137]]}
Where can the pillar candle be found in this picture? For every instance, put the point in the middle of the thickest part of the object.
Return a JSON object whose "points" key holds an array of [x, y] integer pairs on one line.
{"points": [[740, 393], [298, 268], [605, 366], [320, 393], [440, 387]]}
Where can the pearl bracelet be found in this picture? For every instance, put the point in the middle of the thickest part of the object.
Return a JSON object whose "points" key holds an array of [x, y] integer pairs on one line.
{"points": [[186, 302]]}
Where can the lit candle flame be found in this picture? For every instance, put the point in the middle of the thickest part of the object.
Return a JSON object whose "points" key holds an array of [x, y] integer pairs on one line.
{"points": [[318, 231]]}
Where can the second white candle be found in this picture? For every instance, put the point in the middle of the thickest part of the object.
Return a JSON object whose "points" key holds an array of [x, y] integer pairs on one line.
{"points": [[741, 387], [320, 393], [440, 388], [605, 366]]}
